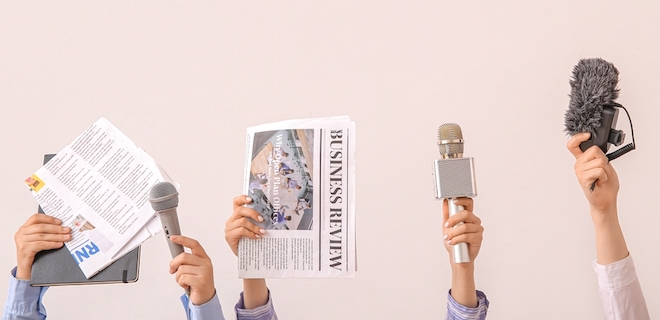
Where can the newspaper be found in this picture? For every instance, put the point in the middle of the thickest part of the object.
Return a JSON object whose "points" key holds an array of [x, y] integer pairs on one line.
{"points": [[99, 186], [300, 175]]}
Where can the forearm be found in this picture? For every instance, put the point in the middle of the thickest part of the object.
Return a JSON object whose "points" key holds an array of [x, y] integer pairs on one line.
{"points": [[255, 293], [610, 242], [463, 288]]}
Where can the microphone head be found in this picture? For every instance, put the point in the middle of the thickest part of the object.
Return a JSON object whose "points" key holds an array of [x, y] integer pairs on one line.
{"points": [[163, 196], [450, 140], [593, 86]]}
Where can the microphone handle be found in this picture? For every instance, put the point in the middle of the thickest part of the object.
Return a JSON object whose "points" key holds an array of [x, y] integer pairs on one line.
{"points": [[170, 222], [460, 250]]}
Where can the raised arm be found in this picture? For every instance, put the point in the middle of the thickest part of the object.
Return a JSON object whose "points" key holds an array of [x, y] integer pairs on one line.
{"points": [[620, 291], [255, 302], [464, 301]]}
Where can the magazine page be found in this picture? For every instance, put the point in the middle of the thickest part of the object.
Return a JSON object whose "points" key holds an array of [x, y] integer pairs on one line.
{"points": [[99, 186], [300, 175]]}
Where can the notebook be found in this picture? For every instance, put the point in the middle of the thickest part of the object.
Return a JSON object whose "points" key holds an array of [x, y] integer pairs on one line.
{"points": [[58, 268]]}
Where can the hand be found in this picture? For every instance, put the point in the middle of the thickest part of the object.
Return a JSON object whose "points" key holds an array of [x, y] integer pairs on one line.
{"points": [[194, 270], [40, 232], [470, 232], [238, 226], [592, 165]]}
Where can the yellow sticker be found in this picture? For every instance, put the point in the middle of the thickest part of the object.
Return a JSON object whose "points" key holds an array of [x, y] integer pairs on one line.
{"points": [[34, 183]]}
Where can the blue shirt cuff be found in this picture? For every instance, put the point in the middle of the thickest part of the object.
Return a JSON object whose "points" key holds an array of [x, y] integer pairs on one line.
{"points": [[209, 310], [457, 311], [24, 300]]}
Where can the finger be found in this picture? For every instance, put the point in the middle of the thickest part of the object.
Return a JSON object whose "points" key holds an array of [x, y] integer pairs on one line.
{"points": [[594, 152], [46, 237], [594, 174], [188, 269], [195, 247], [239, 201], [247, 224], [248, 212], [472, 239], [187, 281], [464, 216], [461, 229], [42, 245], [238, 233], [43, 228], [39, 218], [573, 144], [187, 259], [467, 203]]}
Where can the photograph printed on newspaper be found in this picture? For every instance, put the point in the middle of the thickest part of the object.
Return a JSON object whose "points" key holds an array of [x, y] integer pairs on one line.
{"points": [[300, 175]]}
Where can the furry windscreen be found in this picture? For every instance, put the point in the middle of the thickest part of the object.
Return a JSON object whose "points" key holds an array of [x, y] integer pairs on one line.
{"points": [[592, 86]]}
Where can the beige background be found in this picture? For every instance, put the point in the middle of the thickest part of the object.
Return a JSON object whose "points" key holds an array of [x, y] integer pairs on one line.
{"points": [[184, 80]]}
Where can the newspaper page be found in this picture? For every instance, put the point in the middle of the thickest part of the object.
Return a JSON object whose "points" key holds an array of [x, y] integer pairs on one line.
{"points": [[300, 175], [99, 186]]}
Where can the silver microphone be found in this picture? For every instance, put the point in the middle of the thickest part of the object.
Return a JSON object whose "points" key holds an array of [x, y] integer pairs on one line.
{"points": [[164, 200], [454, 177]]}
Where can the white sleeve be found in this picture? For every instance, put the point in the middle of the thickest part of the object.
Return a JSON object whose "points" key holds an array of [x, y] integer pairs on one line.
{"points": [[620, 291]]}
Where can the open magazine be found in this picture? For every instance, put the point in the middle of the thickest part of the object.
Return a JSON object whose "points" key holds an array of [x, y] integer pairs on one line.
{"points": [[99, 186], [301, 177]]}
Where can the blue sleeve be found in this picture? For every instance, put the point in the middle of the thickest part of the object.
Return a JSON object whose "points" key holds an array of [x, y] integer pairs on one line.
{"points": [[24, 301], [456, 311], [264, 312], [209, 310]]}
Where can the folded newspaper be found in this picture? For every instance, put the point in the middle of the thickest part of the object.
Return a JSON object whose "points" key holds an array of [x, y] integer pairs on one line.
{"points": [[301, 177], [99, 186]]}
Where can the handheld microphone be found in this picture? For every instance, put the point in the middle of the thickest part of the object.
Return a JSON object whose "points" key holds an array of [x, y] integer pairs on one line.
{"points": [[164, 200], [454, 177]]}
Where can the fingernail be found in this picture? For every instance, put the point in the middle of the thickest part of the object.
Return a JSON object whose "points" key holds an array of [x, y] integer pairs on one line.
{"points": [[66, 229], [260, 218], [258, 236], [262, 231], [173, 237], [447, 224], [248, 199], [448, 241], [58, 221], [445, 237], [455, 201]]}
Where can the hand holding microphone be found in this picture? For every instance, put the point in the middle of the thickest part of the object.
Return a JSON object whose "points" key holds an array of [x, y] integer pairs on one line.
{"points": [[164, 200], [592, 108], [453, 179]]}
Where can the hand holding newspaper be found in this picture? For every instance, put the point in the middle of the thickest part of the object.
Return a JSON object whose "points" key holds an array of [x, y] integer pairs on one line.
{"points": [[99, 186], [300, 175]]}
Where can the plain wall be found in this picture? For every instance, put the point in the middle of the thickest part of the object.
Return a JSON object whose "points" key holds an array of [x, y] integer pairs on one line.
{"points": [[184, 79]]}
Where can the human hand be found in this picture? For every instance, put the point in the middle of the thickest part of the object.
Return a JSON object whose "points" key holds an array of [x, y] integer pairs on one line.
{"points": [[39, 232], [593, 166], [238, 226], [470, 232], [194, 270]]}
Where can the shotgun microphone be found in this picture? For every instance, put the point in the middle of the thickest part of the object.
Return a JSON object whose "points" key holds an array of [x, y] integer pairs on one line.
{"points": [[592, 107]]}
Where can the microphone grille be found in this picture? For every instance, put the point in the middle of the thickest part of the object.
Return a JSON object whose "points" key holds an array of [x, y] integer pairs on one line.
{"points": [[163, 196], [450, 132]]}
